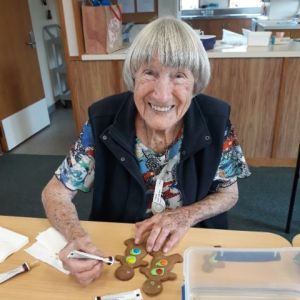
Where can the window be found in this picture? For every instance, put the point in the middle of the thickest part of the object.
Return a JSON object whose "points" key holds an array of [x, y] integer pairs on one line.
{"points": [[245, 3], [189, 4], [195, 4]]}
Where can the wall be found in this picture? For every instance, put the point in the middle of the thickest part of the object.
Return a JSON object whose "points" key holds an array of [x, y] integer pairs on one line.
{"points": [[165, 8], [38, 18], [168, 8], [283, 9], [70, 27]]}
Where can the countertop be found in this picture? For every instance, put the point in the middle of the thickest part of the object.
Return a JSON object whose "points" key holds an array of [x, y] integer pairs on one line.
{"points": [[221, 13], [278, 24], [222, 51], [213, 17]]}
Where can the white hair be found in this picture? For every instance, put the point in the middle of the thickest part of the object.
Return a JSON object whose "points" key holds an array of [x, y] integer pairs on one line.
{"points": [[175, 44]]}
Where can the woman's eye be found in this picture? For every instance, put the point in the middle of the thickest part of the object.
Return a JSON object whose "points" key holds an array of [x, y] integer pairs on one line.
{"points": [[149, 72], [180, 75]]}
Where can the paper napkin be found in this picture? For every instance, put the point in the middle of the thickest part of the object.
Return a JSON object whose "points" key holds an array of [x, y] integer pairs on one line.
{"points": [[10, 242], [47, 247]]}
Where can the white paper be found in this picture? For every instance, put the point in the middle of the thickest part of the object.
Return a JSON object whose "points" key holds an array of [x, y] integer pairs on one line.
{"points": [[233, 38], [46, 248], [10, 242], [41, 253], [127, 6], [52, 240], [145, 5]]}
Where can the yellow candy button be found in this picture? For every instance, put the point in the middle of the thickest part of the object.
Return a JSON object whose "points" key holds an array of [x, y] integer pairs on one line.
{"points": [[131, 260]]}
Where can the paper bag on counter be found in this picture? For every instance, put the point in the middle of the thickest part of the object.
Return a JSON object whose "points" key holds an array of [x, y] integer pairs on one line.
{"points": [[102, 28]]}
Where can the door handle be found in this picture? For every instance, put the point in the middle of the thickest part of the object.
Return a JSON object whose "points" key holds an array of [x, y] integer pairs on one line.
{"points": [[31, 41], [32, 45]]}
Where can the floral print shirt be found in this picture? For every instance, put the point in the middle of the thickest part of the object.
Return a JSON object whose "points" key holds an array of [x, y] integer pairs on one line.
{"points": [[162, 166], [77, 170]]}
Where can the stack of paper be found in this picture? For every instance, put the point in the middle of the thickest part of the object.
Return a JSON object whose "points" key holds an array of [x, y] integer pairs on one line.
{"points": [[48, 245], [233, 38], [10, 242]]}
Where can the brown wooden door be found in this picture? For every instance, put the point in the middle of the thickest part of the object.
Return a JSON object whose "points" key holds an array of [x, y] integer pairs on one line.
{"points": [[20, 77]]}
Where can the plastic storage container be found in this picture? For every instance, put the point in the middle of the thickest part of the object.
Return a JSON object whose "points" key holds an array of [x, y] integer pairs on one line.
{"points": [[242, 274]]}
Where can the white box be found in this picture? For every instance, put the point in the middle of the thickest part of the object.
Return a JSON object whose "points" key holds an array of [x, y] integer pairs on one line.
{"points": [[258, 38]]}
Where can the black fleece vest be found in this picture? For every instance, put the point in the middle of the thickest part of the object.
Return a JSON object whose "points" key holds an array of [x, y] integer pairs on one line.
{"points": [[119, 189]]}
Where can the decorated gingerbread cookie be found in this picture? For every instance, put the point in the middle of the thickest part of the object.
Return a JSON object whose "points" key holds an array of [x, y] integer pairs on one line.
{"points": [[159, 271], [133, 258]]}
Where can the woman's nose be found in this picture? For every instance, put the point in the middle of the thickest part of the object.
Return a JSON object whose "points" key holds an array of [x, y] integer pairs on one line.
{"points": [[163, 89]]}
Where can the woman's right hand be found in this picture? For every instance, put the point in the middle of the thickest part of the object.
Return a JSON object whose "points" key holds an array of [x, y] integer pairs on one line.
{"points": [[84, 270]]}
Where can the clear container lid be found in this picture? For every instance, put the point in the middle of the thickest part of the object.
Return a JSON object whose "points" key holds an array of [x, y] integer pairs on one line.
{"points": [[242, 273]]}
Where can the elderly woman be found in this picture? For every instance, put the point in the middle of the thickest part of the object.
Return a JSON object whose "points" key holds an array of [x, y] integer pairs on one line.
{"points": [[161, 155]]}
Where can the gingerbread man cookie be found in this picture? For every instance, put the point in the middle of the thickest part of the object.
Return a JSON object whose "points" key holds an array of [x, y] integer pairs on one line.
{"points": [[159, 271], [133, 258]]}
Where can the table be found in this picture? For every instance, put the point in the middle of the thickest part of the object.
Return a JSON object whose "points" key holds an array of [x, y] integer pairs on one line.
{"points": [[45, 282], [296, 240]]}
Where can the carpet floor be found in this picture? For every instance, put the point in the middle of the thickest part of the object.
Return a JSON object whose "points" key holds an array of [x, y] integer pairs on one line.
{"points": [[262, 206]]}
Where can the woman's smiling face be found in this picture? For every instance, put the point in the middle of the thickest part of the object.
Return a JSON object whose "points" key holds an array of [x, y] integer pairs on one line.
{"points": [[162, 94]]}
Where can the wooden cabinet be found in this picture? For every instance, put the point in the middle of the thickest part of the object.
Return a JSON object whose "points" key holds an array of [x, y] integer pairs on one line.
{"points": [[251, 86], [292, 33], [287, 130], [92, 81], [215, 26], [263, 93]]}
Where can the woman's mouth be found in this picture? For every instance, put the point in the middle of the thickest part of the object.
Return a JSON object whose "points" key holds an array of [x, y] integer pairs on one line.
{"points": [[161, 108]]}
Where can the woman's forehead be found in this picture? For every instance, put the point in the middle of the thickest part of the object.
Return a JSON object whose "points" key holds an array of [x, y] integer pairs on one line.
{"points": [[155, 62]]}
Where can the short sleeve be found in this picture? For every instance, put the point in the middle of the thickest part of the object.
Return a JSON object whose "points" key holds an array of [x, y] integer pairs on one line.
{"points": [[232, 164], [78, 168]]}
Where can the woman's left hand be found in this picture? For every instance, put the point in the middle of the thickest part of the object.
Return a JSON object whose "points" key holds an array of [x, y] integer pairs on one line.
{"points": [[163, 230]]}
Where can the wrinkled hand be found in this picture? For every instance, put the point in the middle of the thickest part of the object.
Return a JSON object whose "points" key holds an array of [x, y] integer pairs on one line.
{"points": [[164, 230], [84, 270]]}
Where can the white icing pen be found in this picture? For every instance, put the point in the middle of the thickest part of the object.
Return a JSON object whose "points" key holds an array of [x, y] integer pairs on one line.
{"points": [[25, 267], [131, 295], [83, 255]]}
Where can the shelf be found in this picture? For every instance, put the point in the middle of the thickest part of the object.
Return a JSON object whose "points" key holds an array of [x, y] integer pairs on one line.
{"points": [[56, 63]]}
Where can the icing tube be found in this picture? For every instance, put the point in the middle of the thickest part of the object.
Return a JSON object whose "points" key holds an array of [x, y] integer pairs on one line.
{"points": [[83, 255], [131, 295], [25, 267]]}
